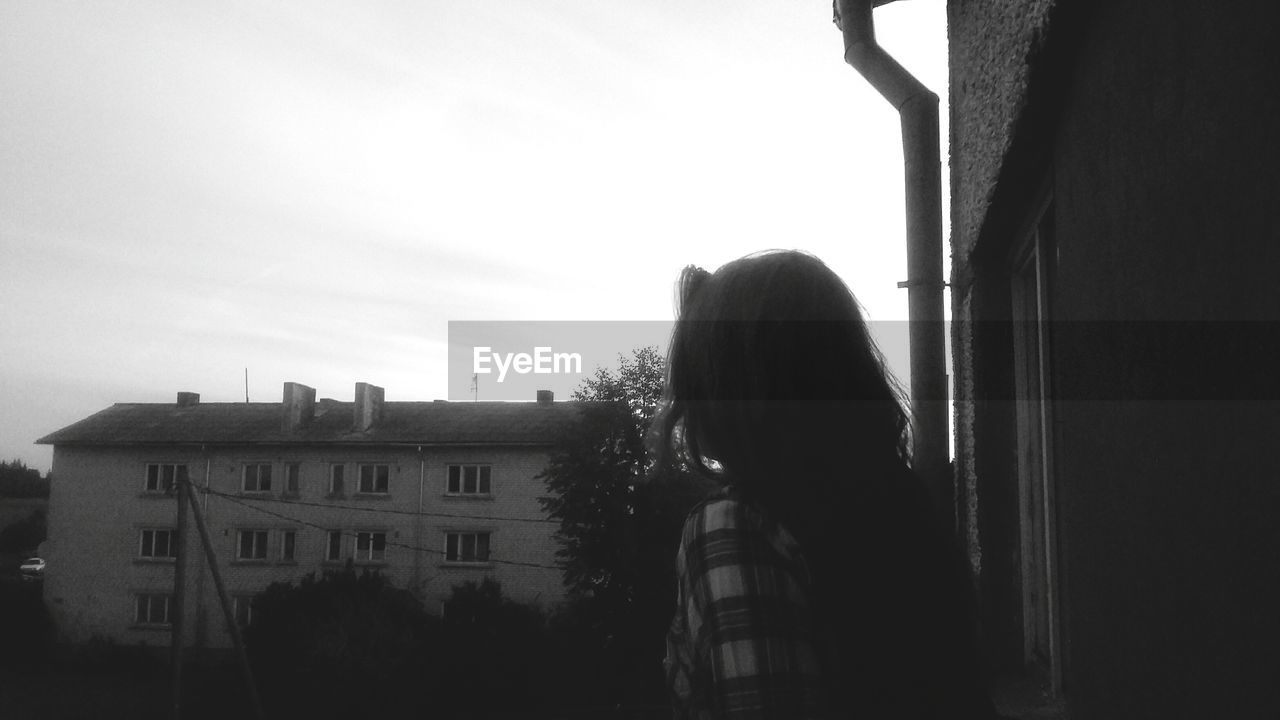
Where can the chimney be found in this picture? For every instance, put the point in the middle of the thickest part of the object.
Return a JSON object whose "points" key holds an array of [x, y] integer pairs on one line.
{"points": [[546, 397], [368, 406], [188, 399], [299, 406]]}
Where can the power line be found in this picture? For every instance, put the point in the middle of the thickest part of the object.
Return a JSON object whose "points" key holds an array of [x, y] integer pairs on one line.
{"points": [[415, 548], [388, 511]]}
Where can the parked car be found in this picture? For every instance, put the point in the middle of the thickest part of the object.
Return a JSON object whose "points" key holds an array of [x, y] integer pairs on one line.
{"points": [[32, 568]]}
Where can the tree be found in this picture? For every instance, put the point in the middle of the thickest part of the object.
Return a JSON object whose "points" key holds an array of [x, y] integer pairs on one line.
{"points": [[312, 643], [18, 480], [620, 515]]}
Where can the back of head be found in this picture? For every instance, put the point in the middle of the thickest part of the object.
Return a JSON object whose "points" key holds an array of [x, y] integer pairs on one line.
{"points": [[773, 377], [775, 388]]}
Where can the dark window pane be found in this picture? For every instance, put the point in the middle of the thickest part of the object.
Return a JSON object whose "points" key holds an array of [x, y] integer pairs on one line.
{"points": [[146, 543], [455, 478], [384, 478], [260, 548], [153, 477], [469, 479], [288, 546], [468, 547], [485, 472], [162, 544], [482, 547], [291, 477], [264, 477], [246, 545], [451, 547]]}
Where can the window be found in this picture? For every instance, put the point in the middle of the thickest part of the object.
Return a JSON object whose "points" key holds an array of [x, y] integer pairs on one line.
{"points": [[257, 477], [292, 478], [375, 478], [251, 545], [242, 605], [288, 544], [333, 549], [157, 544], [371, 546], [469, 479], [153, 609], [337, 474], [1031, 283], [466, 547], [161, 477]]}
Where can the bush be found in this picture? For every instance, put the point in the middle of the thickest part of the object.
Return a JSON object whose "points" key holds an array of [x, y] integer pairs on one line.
{"points": [[26, 630], [25, 535], [345, 645]]}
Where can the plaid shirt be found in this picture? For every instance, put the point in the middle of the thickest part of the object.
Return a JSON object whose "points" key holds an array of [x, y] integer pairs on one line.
{"points": [[741, 643]]}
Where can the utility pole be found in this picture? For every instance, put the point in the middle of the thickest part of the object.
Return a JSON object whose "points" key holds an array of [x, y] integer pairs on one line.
{"points": [[179, 547], [227, 613]]}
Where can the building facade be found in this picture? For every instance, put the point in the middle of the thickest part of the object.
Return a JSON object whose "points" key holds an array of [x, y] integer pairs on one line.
{"points": [[1115, 244], [429, 494]]}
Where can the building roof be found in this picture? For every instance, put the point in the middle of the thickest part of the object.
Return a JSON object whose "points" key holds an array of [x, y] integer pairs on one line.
{"points": [[423, 423]]}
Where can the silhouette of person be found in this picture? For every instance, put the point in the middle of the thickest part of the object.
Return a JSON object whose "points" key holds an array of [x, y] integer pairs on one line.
{"points": [[819, 583]]}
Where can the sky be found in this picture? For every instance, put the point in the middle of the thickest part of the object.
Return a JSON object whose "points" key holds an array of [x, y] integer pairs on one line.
{"points": [[314, 190]]}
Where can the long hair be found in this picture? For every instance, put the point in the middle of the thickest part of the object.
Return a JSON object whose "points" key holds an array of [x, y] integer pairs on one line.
{"points": [[776, 389]]}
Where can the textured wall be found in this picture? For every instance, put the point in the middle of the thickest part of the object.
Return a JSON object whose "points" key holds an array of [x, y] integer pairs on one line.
{"points": [[990, 44], [1156, 137], [97, 509]]}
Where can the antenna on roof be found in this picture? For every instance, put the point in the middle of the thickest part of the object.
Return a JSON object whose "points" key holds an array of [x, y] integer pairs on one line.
{"points": [[246, 385]]}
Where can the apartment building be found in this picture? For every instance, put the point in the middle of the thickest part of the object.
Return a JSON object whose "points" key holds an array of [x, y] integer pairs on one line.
{"points": [[429, 494]]}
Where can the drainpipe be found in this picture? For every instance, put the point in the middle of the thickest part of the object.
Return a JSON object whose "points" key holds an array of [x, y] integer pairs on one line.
{"points": [[918, 109]]}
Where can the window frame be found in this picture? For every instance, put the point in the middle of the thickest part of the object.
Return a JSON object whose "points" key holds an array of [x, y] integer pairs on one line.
{"points": [[458, 557], [245, 602], [244, 477], [142, 544], [381, 557], [455, 480], [292, 481], [288, 542], [149, 598], [374, 466], [329, 555], [338, 472], [257, 533], [162, 488]]}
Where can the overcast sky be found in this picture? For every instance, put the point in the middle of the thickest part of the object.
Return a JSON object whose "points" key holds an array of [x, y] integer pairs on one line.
{"points": [[313, 190]]}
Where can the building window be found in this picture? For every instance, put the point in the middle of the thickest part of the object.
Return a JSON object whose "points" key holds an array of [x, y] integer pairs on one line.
{"points": [[375, 478], [153, 609], [333, 548], [371, 546], [157, 545], [162, 477], [469, 479], [292, 478], [242, 605], [466, 547], [337, 475], [251, 545], [257, 477], [288, 545]]}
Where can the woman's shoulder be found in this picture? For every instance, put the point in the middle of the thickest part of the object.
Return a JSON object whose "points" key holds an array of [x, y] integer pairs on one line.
{"points": [[724, 510], [734, 519]]}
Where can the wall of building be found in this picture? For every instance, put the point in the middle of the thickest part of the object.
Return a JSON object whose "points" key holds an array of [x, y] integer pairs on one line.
{"points": [[98, 508], [1163, 164]]}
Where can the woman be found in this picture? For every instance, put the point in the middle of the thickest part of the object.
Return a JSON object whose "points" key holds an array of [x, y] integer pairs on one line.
{"points": [[819, 583]]}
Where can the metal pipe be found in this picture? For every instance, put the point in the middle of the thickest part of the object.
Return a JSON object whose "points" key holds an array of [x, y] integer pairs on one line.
{"points": [[918, 111]]}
